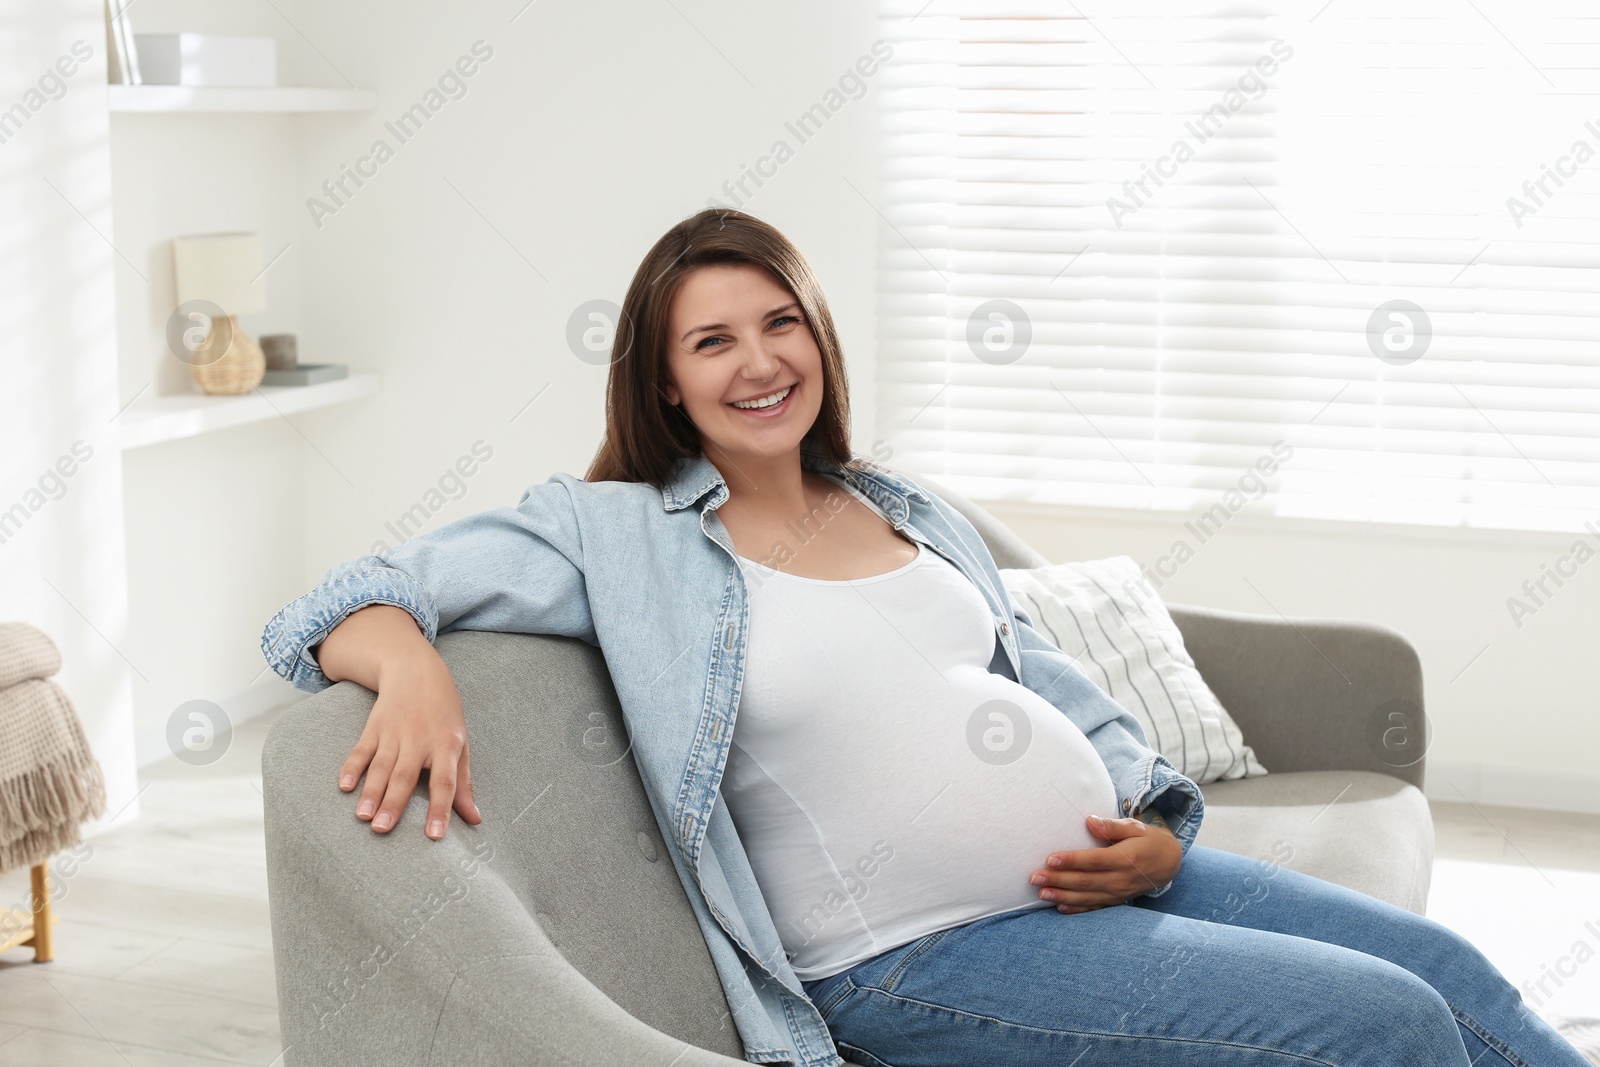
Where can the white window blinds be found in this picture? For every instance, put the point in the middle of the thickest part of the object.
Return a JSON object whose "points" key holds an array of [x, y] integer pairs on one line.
{"points": [[1127, 250]]}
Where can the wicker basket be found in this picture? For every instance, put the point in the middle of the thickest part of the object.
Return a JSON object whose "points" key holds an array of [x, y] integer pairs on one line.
{"points": [[238, 370]]}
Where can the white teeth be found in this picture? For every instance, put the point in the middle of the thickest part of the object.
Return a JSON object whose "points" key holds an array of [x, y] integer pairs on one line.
{"points": [[764, 402]]}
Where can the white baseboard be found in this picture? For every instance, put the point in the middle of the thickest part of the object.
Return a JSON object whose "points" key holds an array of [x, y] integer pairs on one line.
{"points": [[267, 692], [1547, 788]]}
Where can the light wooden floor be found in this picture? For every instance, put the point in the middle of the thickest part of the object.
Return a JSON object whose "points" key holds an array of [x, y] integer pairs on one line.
{"points": [[1524, 886], [164, 953]]}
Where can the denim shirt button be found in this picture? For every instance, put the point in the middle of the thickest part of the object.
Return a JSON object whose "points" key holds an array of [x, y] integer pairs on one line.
{"points": [[1005, 627]]}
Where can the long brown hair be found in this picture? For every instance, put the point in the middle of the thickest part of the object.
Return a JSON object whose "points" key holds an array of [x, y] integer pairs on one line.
{"points": [[646, 435]]}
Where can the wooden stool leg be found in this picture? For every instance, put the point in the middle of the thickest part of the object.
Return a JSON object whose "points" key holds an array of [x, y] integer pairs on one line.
{"points": [[42, 949]]}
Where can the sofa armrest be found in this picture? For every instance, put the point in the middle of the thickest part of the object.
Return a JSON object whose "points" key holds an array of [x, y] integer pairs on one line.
{"points": [[1313, 694], [397, 949]]}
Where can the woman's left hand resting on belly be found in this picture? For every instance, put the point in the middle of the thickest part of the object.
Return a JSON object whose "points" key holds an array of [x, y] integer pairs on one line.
{"points": [[1143, 855]]}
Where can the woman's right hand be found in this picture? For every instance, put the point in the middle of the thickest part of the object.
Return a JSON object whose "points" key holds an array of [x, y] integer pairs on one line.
{"points": [[417, 721]]}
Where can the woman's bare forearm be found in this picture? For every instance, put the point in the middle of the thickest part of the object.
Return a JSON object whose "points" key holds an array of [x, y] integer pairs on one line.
{"points": [[375, 641]]}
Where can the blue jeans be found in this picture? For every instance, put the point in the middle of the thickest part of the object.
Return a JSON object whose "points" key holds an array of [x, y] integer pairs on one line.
{"points": [[1242, 963]]}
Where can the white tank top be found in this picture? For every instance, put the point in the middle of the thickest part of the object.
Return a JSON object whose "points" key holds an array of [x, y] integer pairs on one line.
{"points": [[884, 783]]}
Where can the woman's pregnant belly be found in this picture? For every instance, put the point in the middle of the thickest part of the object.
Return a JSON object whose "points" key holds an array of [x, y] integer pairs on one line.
{"points": [[920, 815]]}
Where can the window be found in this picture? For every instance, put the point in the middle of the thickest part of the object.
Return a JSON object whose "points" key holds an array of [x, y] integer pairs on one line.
{"points": [[1142, 256]]}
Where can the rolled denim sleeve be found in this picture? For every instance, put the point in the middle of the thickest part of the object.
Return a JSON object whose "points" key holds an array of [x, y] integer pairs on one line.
{"points": [[515, 570], [1142, 776]]}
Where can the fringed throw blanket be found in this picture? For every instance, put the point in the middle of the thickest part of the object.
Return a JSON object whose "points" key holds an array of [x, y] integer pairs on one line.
{"points": [[50, 783]]}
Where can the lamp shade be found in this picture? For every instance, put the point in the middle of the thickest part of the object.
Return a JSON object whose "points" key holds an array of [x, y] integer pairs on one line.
{"points": [[223, 268]]}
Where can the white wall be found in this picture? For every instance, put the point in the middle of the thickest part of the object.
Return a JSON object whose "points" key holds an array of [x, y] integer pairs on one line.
{"points": [[61, 559]]}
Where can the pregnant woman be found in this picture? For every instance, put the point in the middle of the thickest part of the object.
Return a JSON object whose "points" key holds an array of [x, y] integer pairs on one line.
{"points": [[928, 838]]}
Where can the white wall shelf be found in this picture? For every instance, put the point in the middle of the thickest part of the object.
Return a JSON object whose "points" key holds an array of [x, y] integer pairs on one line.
{"points": [[193, 99], [171, 418]]}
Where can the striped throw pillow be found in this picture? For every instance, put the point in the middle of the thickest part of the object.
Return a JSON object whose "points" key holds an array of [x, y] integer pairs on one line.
{"points": [[1105, 614]]}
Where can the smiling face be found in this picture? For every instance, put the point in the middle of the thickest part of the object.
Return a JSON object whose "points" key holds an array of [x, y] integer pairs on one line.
{"points": [[736, 334]]}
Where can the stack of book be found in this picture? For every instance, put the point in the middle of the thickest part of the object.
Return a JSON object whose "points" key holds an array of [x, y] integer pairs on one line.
{"points": [[121, 56]]}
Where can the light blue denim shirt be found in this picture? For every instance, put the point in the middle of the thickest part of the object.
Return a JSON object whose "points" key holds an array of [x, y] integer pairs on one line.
{"points": [[649, 575]]}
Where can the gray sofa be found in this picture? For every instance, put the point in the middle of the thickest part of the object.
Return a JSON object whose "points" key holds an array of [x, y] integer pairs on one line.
{"points": [[557, 932]]}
